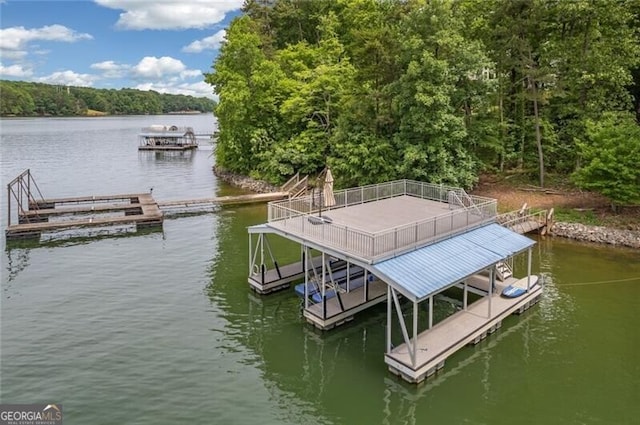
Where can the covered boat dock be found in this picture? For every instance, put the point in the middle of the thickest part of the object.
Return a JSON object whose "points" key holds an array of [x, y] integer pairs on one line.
{"points": [[413, 240], [167, 138]]}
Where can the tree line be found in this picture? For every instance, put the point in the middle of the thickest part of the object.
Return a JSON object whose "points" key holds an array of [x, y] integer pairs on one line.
{"points": [[19, 98], [435, 90]]}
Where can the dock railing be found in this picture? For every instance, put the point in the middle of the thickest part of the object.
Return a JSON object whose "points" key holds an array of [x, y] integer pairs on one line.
{"points": [[525, 220], [24, 191], [294, 213]]}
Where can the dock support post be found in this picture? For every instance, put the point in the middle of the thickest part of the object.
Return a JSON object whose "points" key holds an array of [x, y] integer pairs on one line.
{"points": [[324, 297], [430, 311], [262, 255], [492, 277], [8, 205], [414, 352], [528, 270], [366, 286], [250, 253], [389, 312], [465, 296], [403, 325], [348, 275], [305, 260]]}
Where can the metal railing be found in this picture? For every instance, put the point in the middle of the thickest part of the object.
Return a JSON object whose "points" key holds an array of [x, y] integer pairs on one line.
{"points": [[294, 215], [522, 220], [24, 191]]}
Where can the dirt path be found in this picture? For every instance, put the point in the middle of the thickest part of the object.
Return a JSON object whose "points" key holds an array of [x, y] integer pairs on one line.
{"points": [[569, 203]]}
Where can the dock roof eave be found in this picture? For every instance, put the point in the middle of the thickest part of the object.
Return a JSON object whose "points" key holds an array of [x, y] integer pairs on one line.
{"points": [[345, 255], [426, 271]]}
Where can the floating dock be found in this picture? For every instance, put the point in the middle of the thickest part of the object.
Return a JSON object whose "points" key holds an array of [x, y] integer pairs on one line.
{"points": [[51, 215], [414, 241], [29, 214]]}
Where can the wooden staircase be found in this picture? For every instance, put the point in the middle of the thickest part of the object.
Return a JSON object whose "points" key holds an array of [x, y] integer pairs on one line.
{"points": [[296, 186]]}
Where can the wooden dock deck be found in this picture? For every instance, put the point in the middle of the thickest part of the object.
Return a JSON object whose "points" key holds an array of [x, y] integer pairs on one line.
{"points": [[469, 326], [44, 216], [37, 215], [226, 200]]}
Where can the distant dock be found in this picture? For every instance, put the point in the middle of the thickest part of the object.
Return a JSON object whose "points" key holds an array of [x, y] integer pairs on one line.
{"points": [[167, 138]]}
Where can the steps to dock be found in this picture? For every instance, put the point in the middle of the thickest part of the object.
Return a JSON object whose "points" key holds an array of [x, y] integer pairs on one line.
{"points": [[526, 220]]}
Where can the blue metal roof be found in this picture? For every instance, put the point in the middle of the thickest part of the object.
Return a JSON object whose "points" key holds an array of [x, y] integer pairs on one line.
{"points": [[432, 268]]}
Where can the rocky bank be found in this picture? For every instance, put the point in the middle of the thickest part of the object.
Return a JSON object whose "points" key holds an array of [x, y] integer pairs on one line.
{"points": [[599, 234], [244, 182]]}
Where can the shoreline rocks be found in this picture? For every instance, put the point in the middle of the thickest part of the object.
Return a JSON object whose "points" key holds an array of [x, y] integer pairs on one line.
{"points": [[597, 234], [244, 182]]}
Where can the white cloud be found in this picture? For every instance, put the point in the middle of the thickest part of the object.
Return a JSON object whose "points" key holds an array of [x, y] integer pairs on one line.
{"points": [[170, 14], [13, 54], [69, 78], [153, 68], [16, 71], [16, 38], [207, 43], [111, 69], [190, 73], [199, 89]]}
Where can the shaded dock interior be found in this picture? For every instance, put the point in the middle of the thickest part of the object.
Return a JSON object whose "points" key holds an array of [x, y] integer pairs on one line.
{"points": [[415, 243]]}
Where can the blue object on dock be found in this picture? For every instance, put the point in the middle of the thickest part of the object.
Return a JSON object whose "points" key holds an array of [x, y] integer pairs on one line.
{"points": [[519, 288], [339, 276], [330, 293]]}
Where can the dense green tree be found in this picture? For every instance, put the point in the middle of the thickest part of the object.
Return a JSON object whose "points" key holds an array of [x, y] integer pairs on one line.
{"points": [[237, 115], [610, 156], [15, 100], [433, 90], [28, 99]]}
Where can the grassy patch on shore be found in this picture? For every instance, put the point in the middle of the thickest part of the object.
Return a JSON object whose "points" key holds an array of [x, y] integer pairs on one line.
{"points": [[94, 113]]}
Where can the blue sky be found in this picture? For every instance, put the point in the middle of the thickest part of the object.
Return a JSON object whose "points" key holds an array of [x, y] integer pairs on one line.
{"points": [[162, 45]]}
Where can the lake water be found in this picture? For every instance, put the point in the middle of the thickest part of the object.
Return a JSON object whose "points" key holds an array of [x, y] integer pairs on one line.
{"points": [[161, 328]]}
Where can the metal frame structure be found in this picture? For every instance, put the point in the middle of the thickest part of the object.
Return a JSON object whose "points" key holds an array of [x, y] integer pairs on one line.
{"points": [[19, 191]]}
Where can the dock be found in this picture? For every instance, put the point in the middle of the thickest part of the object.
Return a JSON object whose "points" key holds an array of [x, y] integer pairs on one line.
{"points": [[264, 281], [30, 214], [526, 220], [414, 240], [167, 138], [54, 214], [225, 200], [467, 327]]}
